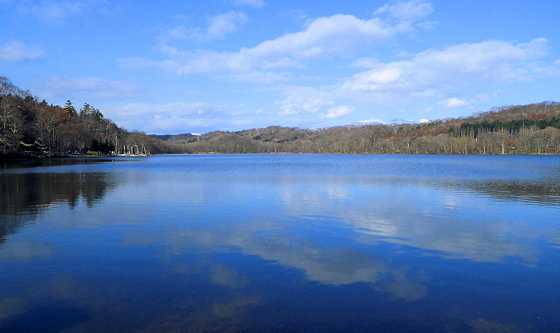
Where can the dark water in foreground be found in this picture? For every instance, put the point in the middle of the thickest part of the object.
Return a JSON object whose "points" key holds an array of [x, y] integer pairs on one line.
{"points": [[282, 243]]}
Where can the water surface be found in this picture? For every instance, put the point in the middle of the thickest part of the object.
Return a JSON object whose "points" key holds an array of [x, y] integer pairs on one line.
{"points": [[281, 243]]}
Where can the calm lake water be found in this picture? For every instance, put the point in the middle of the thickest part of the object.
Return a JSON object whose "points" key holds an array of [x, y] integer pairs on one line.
{"points": [[281, 243]]}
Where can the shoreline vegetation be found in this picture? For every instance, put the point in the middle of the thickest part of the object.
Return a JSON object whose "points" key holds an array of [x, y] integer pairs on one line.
{"points": [[33, 128]]}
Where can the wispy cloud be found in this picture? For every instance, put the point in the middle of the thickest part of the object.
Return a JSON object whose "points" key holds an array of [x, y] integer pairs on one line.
{"points": [[89, 88], [258, 77], [405, 14], [406, 10], [178, 117], [304, 100], [338, 111], [57, 11], [162, 118], [14, 51], [216, 27], [224, 24], [454, 102], [249, 3]]}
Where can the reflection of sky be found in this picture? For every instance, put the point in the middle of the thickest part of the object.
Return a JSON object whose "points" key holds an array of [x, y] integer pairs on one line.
{"points": [[420, 212], [194, 229], [320, 262], [456, 226]]}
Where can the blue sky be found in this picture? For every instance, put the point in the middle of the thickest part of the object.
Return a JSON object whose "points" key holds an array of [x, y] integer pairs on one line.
{"points": [[198, 66]]}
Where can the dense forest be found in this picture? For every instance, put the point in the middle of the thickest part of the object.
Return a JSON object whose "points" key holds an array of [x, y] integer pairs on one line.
{"points": [[527, 129], [32, 127]]}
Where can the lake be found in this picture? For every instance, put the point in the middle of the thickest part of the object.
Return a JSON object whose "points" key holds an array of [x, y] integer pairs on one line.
{"points": [[281, 243]]}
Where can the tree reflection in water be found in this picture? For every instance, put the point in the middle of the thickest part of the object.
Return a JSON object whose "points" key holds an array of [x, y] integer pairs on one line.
{"points": [[26, 194]]}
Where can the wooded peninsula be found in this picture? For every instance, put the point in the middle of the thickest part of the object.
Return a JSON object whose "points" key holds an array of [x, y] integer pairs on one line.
{"points": [[29, 127]]}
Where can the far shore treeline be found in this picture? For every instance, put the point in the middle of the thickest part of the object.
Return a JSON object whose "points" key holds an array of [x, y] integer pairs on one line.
{"points": [[526, 129], [29, 127]]}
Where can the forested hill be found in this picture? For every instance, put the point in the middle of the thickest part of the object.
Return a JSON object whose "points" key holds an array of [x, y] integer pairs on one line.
{"points": [[527, 129], [29, 127]]}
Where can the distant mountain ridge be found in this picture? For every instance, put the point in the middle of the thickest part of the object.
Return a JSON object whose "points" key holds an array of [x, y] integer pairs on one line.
{"points": [[522, 129]]}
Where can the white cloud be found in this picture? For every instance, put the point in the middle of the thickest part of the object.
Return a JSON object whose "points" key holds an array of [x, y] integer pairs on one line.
{"points": [[337, 35], [89, 88], [338, 111], [495, 60], [375, 79], [303, 100], [454, 102], [14, 51], [433, 71]]}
